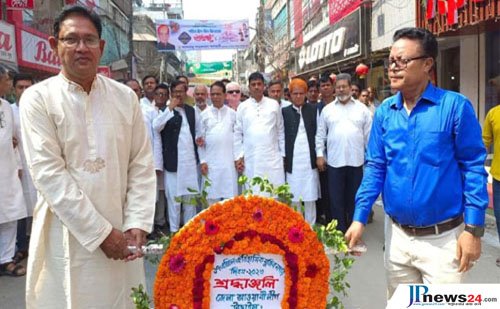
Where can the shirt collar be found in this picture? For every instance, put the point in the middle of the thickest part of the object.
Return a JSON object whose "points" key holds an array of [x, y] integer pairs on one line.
{"points": [[72, 86], [298, 109], [351, 101], [430, 95]]}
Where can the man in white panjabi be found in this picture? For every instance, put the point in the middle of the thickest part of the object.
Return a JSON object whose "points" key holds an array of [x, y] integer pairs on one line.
{"points": [[22, 82], [91, 162], [176, 132], [217, 129], [12, 206], [259, 142], [300, 121]]}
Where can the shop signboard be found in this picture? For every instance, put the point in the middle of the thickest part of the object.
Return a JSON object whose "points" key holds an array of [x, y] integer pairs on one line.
{"points": [[337, 43], [8, 53], [337, 9], [34, 51], [20, 4], [181, 34]]}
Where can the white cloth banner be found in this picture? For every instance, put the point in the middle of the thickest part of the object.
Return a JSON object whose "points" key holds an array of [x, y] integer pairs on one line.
{"points": [[247, 281], [180, 34]]}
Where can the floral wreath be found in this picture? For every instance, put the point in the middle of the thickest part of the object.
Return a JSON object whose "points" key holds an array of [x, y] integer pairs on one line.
{"points": [[243, 225]]}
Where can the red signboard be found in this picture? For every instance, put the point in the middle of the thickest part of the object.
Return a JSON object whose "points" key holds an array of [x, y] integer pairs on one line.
{"points": [[297, 22], [20, 4], [337, 9], [33, 50]]}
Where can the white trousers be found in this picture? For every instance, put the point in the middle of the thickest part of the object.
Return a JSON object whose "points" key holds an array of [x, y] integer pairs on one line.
{"points": [[8, 232], [309, 211], [174, 207], [423, 259]]}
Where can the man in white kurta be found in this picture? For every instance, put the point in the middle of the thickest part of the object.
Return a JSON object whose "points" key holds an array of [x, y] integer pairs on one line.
{"points": [[185, 163], [259, 142], [217, 128], [300, 121], [22, 82], [91, 162], [12, 206], [344, 126]]}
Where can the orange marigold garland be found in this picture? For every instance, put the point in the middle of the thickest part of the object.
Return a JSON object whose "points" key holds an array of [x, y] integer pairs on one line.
{"points": [[243, 225]]}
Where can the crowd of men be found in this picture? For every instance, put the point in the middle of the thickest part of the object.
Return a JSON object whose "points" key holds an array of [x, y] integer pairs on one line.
{"points": [[101, 155]]}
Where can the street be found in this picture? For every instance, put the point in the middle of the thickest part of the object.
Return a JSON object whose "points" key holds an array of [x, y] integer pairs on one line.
{"points": [[366, 277]]}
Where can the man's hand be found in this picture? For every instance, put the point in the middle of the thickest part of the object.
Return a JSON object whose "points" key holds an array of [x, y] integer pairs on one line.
{"points": [[15, 142], [135, 238], [321, 164], [240, 165], [353, 235], [115, 245], [468, 250], [204, 169], [159, 173], [174, 102]]}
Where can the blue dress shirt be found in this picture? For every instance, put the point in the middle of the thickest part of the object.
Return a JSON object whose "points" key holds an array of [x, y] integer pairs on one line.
{"points": [[429, 164]]}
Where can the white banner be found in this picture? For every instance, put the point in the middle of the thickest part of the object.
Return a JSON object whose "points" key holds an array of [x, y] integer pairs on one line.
{"points": [[247, 281], [484, 296], [181, 34], [36, 50], [7, 44]]}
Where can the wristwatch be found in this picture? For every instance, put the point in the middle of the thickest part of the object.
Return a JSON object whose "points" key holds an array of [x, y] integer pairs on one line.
{"points": [[477, 231]]}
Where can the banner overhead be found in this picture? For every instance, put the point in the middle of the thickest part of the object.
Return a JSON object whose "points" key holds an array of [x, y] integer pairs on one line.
{"points": [[180, 34]]}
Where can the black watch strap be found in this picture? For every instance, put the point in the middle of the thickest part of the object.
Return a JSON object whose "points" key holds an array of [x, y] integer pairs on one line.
{"points": [[477, 231]]}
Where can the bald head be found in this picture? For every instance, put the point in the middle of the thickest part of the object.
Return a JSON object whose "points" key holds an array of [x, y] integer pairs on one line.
{"points": [[200, 96]]}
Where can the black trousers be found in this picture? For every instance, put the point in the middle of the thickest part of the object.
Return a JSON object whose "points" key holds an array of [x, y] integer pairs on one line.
{"points": [[323, 204], [343, 183]]}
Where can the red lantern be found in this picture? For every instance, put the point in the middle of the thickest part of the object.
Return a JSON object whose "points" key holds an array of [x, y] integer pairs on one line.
{"points": [[362, 70]]}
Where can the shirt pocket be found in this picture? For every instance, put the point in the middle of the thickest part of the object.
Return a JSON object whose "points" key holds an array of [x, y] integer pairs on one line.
{"points": [[432, 145]]}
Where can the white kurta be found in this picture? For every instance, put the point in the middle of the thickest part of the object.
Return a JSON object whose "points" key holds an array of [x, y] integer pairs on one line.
{"points": [[345, 128], [29, 190], [91, 163], [303, 181], [12, 206], [186, 158], [217, 127], [259, 138]]}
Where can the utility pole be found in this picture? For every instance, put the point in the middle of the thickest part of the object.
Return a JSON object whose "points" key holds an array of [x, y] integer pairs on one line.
{"points": [[261, 59]]}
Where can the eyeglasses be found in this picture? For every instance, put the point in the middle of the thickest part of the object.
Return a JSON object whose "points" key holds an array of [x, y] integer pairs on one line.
{"points": [[233, 91], [403, 63], [91, 42], [160, 94]]}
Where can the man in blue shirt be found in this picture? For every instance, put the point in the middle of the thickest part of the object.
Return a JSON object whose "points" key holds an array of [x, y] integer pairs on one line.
{"points": [[426, 156]]}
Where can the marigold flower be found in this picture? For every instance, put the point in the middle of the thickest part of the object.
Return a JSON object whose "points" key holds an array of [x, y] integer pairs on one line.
{"points": [[177, 263], [295, 235], [211, 228]]}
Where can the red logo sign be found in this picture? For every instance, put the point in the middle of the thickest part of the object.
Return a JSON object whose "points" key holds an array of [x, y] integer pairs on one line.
{"points": [[5, 41], [45, 54], [20, 4]]}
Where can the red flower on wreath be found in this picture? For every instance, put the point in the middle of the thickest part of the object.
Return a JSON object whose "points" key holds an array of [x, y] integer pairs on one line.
{"points": [[311, 271], [211, 228], [295, 235], [173, 307], [177, 263], [258, 215]]}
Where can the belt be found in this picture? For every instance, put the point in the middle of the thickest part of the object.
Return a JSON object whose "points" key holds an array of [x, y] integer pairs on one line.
{"points": [[430, 230]]}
